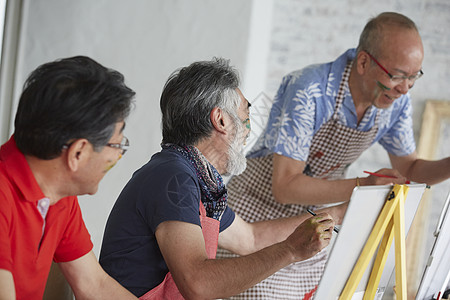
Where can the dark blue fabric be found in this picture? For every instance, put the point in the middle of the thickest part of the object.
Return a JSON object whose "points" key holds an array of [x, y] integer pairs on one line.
{"points": [[165, 189], [212, 188]]}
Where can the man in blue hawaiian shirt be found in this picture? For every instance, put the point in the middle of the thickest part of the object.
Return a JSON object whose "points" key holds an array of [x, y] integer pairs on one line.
{"points": [[323, 117]]}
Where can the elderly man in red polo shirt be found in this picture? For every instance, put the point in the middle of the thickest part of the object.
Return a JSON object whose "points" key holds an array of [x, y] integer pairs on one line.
{"points": [[68, 134]]}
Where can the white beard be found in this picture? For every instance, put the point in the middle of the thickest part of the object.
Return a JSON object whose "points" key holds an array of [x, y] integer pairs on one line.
{"points": [[236, 158]]}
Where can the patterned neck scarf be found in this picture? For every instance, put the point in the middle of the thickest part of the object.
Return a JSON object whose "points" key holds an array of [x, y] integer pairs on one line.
{"points": [[213, 191]]}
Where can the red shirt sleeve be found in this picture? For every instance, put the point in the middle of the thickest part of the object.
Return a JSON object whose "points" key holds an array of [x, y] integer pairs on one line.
{"points": [[76, 240], [5, 243]]}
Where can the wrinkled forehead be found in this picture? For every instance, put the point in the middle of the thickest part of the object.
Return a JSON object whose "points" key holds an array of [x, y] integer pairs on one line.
{"points": [[398, 41], [402, 51]]}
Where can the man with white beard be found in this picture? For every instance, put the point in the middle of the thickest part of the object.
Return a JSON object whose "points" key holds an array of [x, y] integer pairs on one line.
{"points": [[161, 237]]}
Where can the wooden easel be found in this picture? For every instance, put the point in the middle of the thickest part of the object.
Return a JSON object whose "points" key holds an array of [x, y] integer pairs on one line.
{"points": [[390, 222]]}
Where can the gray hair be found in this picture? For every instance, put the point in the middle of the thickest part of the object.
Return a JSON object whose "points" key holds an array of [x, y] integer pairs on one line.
{"points": [[189, 96], [372, 34]]}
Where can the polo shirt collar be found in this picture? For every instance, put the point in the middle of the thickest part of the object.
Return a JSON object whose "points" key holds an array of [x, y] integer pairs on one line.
{"points": [[17, 168]]}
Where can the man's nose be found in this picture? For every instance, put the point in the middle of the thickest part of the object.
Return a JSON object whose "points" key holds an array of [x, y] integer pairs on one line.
{"points": [[404, 86]]}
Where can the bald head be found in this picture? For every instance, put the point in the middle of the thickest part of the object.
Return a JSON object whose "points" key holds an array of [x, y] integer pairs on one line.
{"points": [[384, 29]]}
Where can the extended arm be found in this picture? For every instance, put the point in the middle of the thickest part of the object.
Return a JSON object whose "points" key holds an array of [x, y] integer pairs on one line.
{"points": [[420, 170], [244, 238], [7, 289], [198, 277], [291, 186], [89, 281]]}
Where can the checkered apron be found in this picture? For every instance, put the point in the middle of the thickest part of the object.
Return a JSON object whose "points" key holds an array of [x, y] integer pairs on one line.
{"points": [[333, 148]]}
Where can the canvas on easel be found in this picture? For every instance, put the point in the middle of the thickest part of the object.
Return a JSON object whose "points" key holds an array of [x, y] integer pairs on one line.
{"points": [[363, 211], [436, 277]]}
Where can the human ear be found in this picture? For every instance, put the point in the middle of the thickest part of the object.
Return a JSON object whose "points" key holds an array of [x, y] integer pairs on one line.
{"points": [[362, 62], [77, 153], [218, 119]]}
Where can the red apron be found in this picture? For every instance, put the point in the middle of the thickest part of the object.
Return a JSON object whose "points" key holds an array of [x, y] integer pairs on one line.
{"points": [[168, 289]]}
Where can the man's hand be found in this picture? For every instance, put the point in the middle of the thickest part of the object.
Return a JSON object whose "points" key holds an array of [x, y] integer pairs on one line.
{"points": [[337, 212], [311, 236], [383, 177]]}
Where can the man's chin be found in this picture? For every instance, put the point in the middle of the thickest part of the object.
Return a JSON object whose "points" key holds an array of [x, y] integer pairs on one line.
{"points": [[384, 102], [236, 169], [241, 170], [92, 191]]}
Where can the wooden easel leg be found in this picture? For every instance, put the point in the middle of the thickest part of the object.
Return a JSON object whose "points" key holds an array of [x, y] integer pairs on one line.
{"points": [[400, 247], [380, 261]]}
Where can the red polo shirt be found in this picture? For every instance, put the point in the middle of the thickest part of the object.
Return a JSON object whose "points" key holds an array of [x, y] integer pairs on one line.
{"points": [[21, 249]]}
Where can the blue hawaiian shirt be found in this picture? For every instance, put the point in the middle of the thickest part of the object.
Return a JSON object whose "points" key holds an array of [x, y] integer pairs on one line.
{"points": [[306, 100]]}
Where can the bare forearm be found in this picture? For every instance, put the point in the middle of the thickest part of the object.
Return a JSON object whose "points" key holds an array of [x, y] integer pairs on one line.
{"points": [[311, 236], [107, 288], [221, 278], [111, 289], [301, 189], [291, 186], [243, 238], [7, 289], [269, 232], [273, 231], [89, 281], [430, 172]]}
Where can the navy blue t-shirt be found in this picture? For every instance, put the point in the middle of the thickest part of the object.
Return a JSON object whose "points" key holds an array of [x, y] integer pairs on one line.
{"points": [[164, 189]]}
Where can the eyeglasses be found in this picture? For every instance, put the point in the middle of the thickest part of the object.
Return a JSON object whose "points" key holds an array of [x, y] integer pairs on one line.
{"points": [[396, 78], [124, 145]]}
